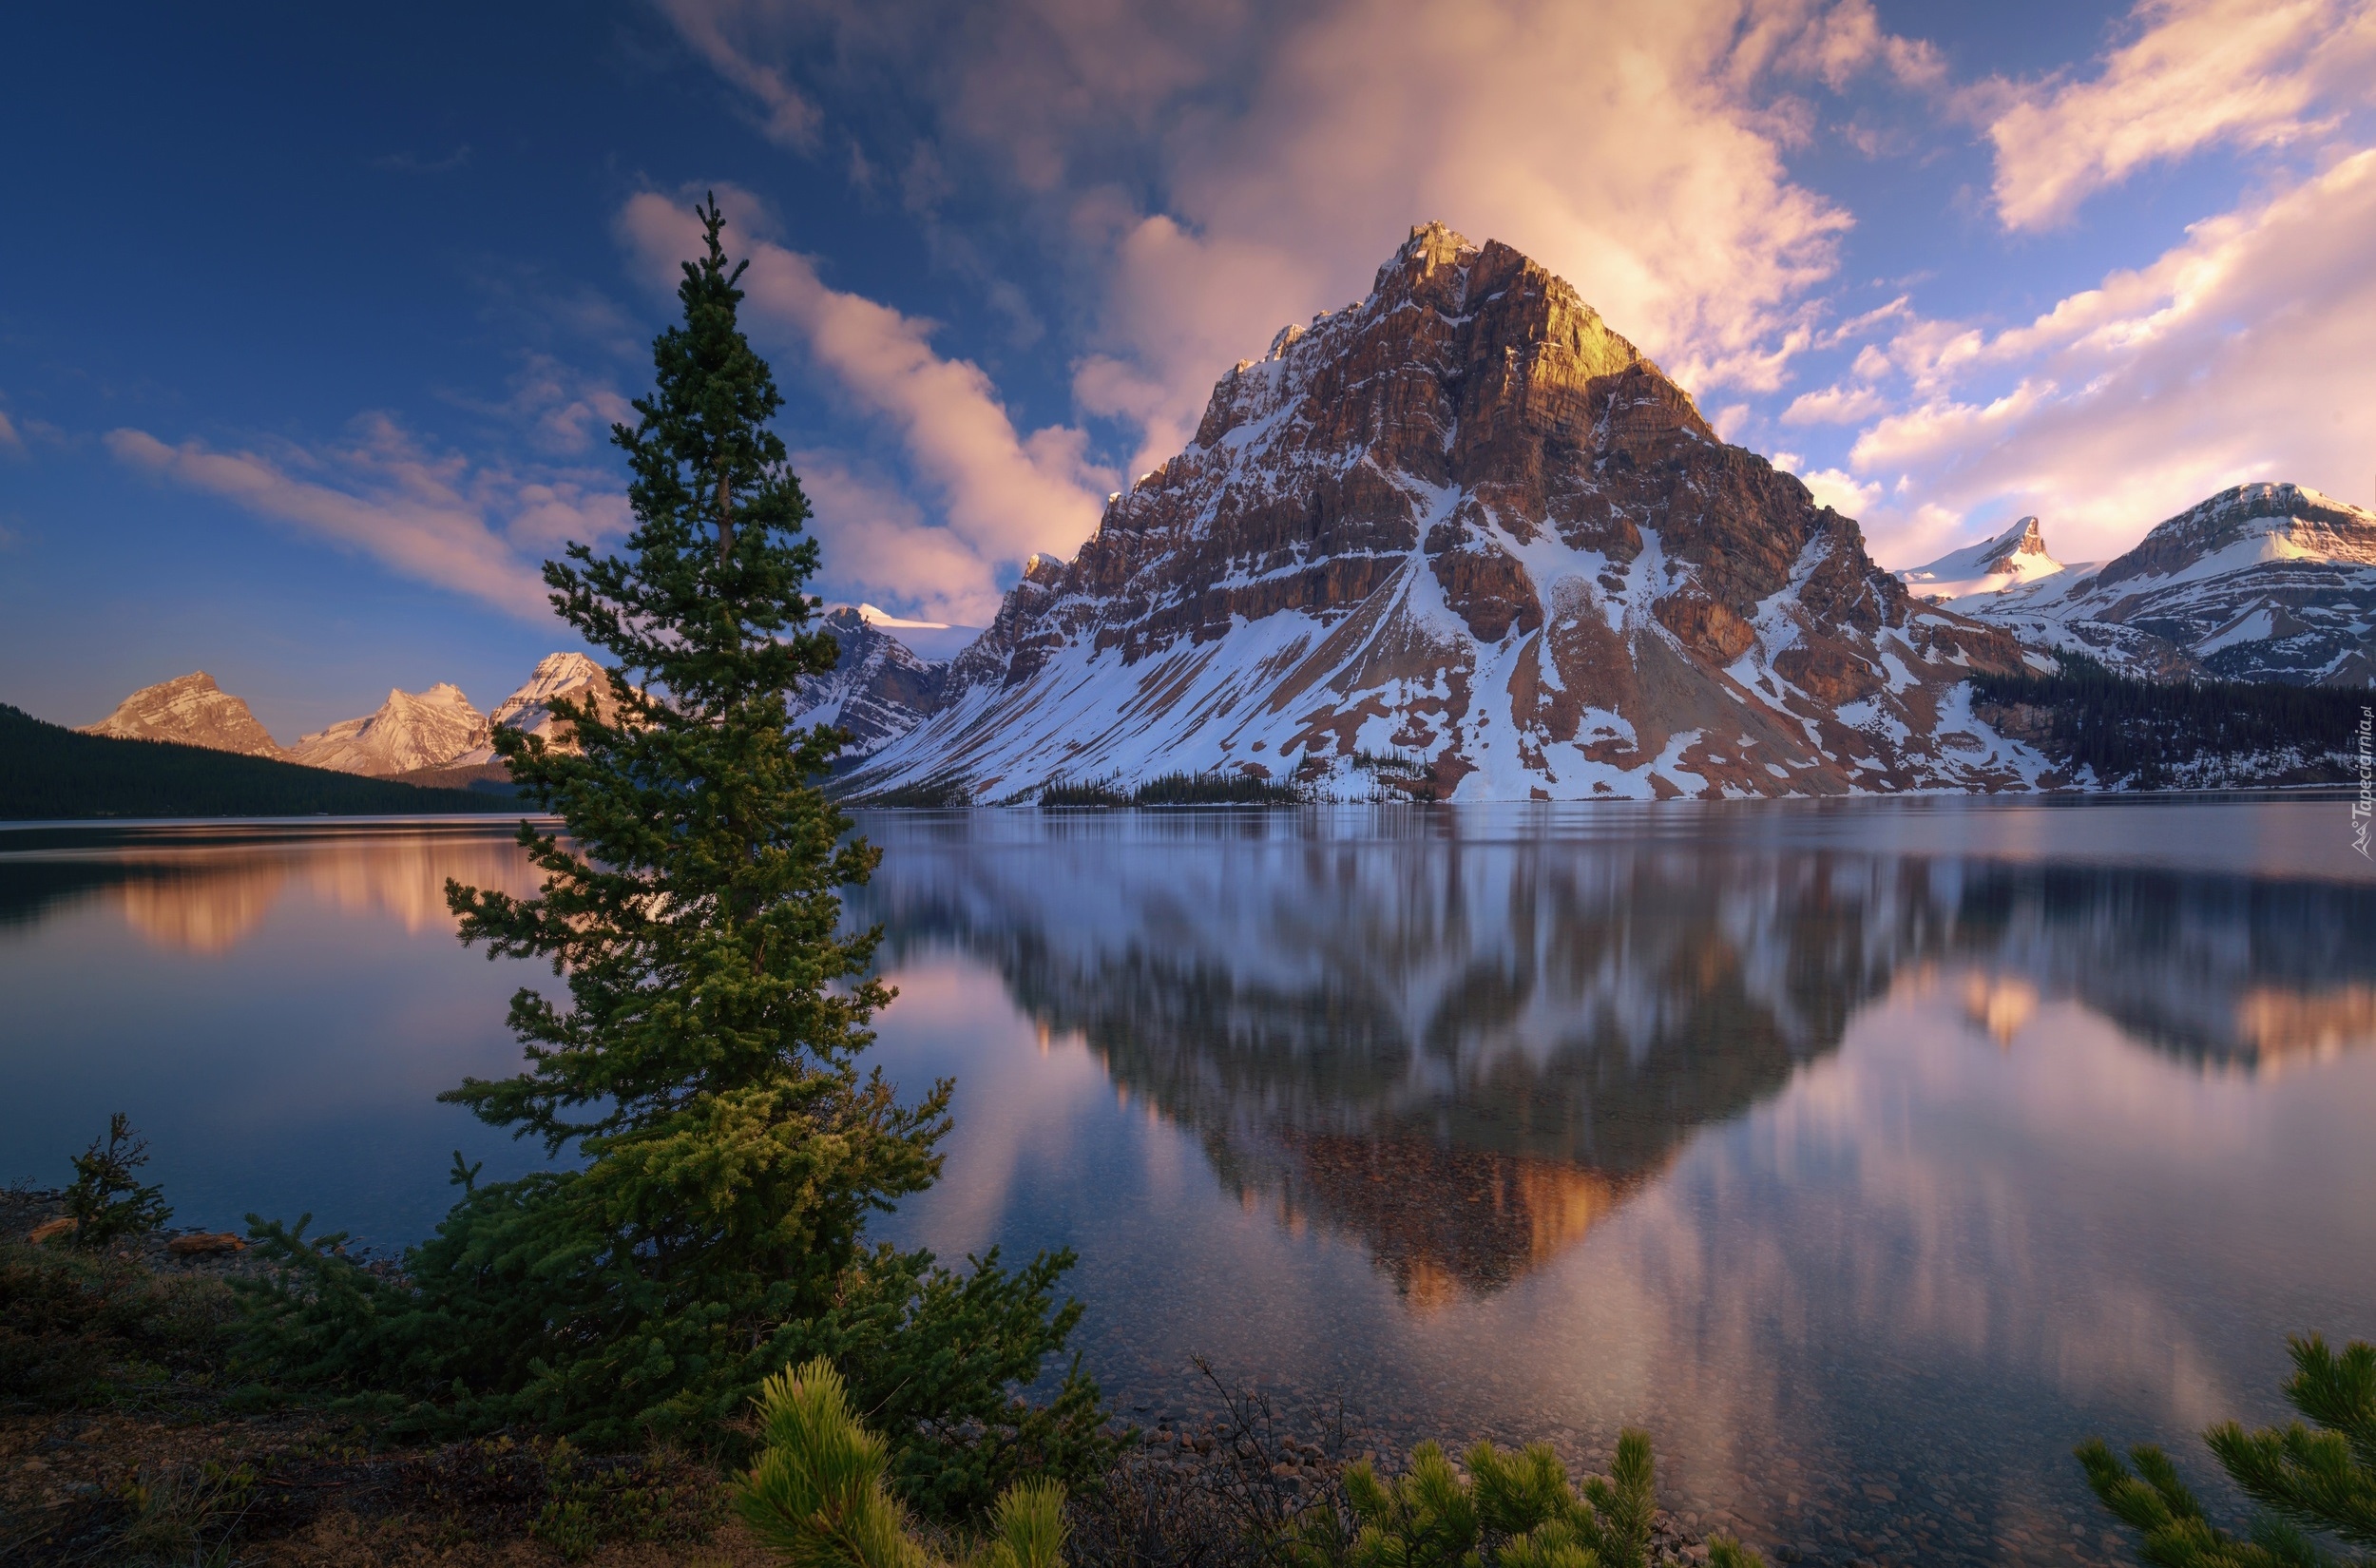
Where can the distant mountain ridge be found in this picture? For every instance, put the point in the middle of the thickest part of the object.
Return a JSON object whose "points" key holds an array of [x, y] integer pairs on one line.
{"points": [[409, 730], [433, 738], [2262, 582], [878, 691]]}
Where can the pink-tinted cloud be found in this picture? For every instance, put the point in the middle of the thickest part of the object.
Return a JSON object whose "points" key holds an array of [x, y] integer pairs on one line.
{"points": [[436, 519], [2246, 353], [1838, 404], [879, 544], [2247, 74], [1613, 142], [1003, 494], [1635, 147], [9, 440]]}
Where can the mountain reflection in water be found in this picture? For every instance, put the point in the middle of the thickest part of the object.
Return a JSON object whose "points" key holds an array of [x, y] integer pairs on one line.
{"points": [[1871, 1157], [1466, 1054], [205, 887]]}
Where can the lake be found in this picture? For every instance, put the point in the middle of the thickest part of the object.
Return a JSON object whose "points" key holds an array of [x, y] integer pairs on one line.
{"points": [[1870, 1153]]}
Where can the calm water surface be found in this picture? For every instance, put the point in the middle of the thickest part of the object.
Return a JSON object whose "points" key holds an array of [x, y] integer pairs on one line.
{"points": [[1870, 1154]]}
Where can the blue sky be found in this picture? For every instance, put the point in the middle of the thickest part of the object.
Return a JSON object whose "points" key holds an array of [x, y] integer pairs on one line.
{"points": [[311, 322]]}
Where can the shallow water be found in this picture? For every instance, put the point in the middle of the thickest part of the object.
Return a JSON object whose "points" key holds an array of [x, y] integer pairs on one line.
{"points": [[1871, 1154]]}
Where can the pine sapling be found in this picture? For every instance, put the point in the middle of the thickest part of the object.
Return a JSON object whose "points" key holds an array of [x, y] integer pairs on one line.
{"points": [[2307, 1480], [106, 1201]]}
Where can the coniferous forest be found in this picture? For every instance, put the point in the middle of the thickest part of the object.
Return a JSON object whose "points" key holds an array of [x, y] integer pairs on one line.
{"points": [[48, 770], [2152, 734]]}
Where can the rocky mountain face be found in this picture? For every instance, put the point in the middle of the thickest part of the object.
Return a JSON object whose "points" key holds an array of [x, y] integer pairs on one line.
{"points": [[191, 711], [2260, 582], [2016, 557], [1461, 540], [410, 731], [878, 692]]}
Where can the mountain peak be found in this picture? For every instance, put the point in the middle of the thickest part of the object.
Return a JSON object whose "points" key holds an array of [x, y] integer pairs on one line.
{"points": [[1463, 523], [2262, 582], [2014, 558], [2245, 524], [410, 730], [189, 710], [1430, 246]]}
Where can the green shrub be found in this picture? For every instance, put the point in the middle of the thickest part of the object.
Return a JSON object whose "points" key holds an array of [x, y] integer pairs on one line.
{"points": [[820, 1495], [84, 1330], [1510, 1510]]}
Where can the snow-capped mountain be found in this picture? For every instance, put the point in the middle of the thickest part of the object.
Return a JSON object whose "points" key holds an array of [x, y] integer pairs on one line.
{"points": [[411, 730], [530, 708], [879, 691], [192, 710], [2260, 582], [2012, 560], [1461, 538]]}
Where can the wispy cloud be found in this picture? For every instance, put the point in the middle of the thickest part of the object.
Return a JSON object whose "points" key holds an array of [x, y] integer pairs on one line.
{"points": [[786, 116], [9, 440], [2245, 73], [1837, 405], [434, 518], [1002, 495], [561, 409]]}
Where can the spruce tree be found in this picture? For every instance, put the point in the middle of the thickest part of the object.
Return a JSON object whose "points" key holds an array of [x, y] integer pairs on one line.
{"points": [[706, 1064]]}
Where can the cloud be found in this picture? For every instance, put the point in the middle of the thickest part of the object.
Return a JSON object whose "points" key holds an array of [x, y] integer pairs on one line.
{"points": [[1834, 487], [1002, 495], [1835, 406], [878, 545], [786, 117], [1210, 172], [2247, 351], [9, 440], [563, 411], [436, 519], [2245, 73]]}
